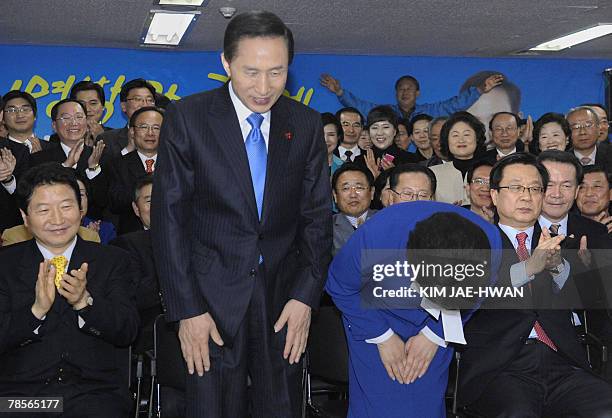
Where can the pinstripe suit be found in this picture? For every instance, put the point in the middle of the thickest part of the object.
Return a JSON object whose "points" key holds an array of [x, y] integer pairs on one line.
{"points": [[208, 239]]}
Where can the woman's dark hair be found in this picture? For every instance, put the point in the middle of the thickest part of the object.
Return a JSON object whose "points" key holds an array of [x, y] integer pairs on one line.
{"points": [[382, 114], [473, 122]]}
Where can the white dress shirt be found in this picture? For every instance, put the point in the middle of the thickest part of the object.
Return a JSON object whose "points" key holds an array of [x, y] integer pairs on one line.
{"points": [[244, 112], [355, 152], [591, 156]]}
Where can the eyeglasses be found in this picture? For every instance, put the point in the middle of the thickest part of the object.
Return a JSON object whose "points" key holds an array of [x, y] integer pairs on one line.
{"points": [[142, 100], [507, 129], [359, 189], [408, 195], [584, 125], [481, 182], [153, 128], [23, 109], [76, 118], [519, 189]]}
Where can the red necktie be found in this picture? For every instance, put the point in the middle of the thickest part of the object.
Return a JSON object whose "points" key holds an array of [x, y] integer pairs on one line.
{"points": [[523, 254], [149, 163]]}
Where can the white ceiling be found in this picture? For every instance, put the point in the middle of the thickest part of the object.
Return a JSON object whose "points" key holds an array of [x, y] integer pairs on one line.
{"points": [[480, 28]]}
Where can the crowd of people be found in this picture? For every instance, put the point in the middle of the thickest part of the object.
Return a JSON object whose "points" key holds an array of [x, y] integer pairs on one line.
{"points": [[80, 282]]}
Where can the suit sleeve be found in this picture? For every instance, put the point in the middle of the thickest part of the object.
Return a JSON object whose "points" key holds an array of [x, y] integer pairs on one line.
{"points": [[113, 316], [315, 227], [173, 189]]}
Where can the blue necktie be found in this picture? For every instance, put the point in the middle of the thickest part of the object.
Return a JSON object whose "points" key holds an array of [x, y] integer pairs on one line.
{"points": [[258, 156]]}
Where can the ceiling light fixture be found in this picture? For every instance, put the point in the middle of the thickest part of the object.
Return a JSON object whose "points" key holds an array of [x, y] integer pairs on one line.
{"points": [[167, 28], [195, 3], [575, 38]]}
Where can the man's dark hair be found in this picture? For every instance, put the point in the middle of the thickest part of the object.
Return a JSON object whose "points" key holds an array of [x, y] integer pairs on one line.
{"points": [[516, 158], [550, 117], [137, 83], [408, 78], [87, 85], [435, 241], [16, 94], [143, 110], [382, 114], [141, 182], [350, 110], [421, 116], [56, 106], [352, 167], [513, 92], [396, 172], [596, 168], [329, 119], [255, 24], [517, 119], [473, 122], [42, 175], [564, 158], [161, 100], [476, 165]]}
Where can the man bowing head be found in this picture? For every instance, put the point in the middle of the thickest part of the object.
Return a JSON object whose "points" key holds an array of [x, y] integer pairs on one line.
{"points": [[242, 227]]}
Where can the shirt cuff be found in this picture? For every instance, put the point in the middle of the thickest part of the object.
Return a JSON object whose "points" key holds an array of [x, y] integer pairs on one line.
{"points": [[91, 174], [518, 275], [560, 278], [124, 151], [38, 327], [381, 338], [12, 186], [81, 321], [431, 336]]}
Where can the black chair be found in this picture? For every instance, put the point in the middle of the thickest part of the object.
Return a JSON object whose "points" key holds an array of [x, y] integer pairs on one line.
{"points": [[168, 372], [326, 379]]}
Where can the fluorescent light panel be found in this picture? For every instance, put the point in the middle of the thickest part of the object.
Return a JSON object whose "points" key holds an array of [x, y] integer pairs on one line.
{"points": [[181, 2], [576, 38], [168, 28]]}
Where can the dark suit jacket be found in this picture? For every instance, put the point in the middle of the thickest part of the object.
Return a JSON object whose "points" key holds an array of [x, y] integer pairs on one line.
{"points": [[148, 300], [491, 155], [9, 212], [206, 233], [99, 188], [495, 336], [125, 171], [343, 229], [115, 140], [27, 359]]}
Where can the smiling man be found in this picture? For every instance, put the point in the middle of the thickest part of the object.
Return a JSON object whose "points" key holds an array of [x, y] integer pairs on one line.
{"points": [[242, 227], [67, 312]]}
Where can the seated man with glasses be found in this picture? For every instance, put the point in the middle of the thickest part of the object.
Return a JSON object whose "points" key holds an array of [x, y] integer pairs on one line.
{"points": [[19, 117], [478, 190], [134, 94], [584, 123], [145, 125], [525, 360], [353, 190], [411, 182]]}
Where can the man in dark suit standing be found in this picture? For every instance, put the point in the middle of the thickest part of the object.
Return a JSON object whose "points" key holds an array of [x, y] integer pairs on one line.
{"points": [[14, 160], [242, 227], [584, 123], [145, 125], [527, 361], [67, 312]]}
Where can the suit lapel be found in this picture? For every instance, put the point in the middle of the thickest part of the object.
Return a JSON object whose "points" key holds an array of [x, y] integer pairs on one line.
{"points": [[134, 166], [224, 124], [279, 144]]}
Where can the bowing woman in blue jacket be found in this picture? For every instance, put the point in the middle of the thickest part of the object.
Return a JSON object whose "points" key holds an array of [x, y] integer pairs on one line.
{"points": [[399, 351]]}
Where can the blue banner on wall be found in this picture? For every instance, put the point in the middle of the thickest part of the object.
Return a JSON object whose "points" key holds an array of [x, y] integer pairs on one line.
{"points": [[49, 72]]}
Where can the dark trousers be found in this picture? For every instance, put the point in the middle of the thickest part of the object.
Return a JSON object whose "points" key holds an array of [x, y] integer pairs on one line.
{"points": [[542, 383], [257, 352]]}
